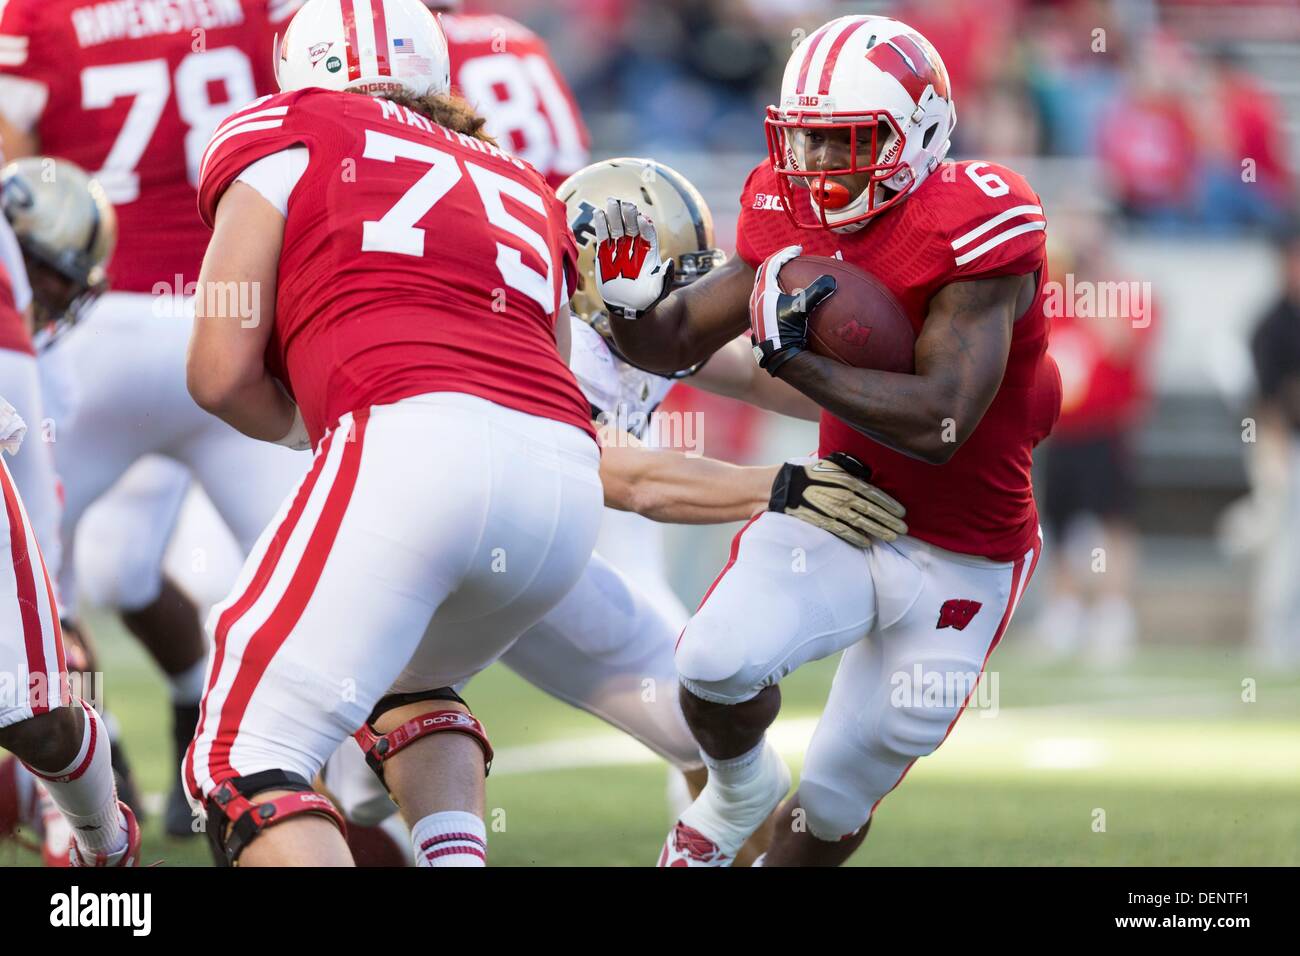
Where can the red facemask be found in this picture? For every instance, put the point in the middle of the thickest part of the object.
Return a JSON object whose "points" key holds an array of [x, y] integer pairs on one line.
{"points": [[819, 184]]}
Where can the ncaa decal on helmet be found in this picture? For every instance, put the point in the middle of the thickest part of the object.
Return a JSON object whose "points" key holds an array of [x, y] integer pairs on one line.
{"points": [[881, 85], [369, 46], [681, 216]]}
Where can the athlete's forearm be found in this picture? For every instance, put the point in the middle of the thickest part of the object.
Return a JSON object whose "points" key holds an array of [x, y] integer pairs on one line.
{"points": [[671, 487], [961, 356], [907, 413], [259, 408], [691, 323]]}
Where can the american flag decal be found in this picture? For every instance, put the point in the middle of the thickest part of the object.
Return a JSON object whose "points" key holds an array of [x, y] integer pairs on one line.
{"points": [[403, 45]]}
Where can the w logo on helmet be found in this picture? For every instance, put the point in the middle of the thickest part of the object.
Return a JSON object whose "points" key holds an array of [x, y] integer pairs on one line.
{"points": [[910, 60], [957, 613], [623, 258]]}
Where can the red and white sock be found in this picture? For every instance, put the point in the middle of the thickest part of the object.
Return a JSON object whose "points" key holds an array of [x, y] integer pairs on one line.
{"points": [[453, 838], [84, 791]]}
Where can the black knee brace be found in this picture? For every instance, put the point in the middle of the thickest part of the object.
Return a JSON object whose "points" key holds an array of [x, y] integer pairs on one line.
{"points": [[230, 808]]}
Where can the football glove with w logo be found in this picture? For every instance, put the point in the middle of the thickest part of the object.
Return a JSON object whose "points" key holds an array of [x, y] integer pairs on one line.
{"points": [[630, 275]]}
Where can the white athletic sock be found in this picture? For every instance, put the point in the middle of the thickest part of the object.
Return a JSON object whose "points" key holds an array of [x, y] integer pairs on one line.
{"points": [[85, 793], [187, 686], [741, 792], [452, 838]]}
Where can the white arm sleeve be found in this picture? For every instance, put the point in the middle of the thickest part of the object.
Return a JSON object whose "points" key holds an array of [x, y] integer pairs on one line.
{"points": [[22, 101], [275, 176]]}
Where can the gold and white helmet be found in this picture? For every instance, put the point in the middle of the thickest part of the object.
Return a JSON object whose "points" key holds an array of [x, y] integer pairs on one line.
{"points": [[64, 223], [681, 217]]}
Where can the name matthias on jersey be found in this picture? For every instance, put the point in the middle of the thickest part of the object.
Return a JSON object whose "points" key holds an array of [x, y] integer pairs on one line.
{"points": [[400, 114], [132, 19]]}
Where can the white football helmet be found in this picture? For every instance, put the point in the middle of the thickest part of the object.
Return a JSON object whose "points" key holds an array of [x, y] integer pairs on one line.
{"points": [[874, 77], [371, 46]]}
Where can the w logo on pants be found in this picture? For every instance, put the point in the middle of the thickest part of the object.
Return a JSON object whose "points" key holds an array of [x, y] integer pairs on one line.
{"points": [[957, 613]]}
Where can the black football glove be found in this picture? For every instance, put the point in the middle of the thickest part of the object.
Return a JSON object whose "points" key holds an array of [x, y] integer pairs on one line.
{"points": [[834, 494], [779, 320]]}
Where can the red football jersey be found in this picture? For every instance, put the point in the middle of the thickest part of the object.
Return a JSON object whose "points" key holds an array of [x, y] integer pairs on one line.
{"points": [[506, 72], [968, 220], [13, 326], [131, 91], [415, 260]]}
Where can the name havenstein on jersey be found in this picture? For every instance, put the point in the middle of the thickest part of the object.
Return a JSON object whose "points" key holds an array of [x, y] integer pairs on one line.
{"points": [[132, 19]]}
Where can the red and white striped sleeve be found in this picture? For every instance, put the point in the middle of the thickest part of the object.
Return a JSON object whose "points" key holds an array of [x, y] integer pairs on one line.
{"points": [[263, 127], [25, 70], [996, 225]]}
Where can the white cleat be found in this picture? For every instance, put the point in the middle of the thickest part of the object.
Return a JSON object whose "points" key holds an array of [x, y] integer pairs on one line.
{"points": [[687, 846]]}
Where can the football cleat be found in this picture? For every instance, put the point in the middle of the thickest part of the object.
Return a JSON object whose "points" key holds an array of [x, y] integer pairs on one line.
{"points": [[687, 846], [130, 856]]}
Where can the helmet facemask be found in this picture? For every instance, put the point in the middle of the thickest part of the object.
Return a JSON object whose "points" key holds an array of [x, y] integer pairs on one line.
{"points": [[64, 284], [875, 148]]}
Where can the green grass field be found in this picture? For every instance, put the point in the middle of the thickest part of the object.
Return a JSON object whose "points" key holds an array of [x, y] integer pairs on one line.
{"points": [[1184, 771]]}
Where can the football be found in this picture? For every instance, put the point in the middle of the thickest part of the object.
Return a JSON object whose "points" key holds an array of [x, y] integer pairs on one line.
{"points": [[862, 324]]}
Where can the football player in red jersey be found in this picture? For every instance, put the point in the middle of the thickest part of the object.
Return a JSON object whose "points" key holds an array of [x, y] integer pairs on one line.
{"points": [[410, 284], [58, 737], [856, 170], [505, 71], [132, 92]]}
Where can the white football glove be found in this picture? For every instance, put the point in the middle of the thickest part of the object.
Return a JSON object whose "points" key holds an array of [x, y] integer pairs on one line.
{"points": [[630, 275]]}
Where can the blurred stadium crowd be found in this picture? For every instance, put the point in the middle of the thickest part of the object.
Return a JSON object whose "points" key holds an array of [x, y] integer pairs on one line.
{"points": [[1161, 135]]}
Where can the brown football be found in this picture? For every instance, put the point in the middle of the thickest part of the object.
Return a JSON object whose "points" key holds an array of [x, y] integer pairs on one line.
{"points": [[862, 324]]}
